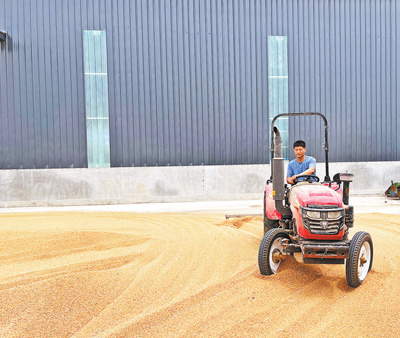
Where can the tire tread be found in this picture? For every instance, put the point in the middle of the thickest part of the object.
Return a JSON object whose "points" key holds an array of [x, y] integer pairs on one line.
{"points": [[352, 262], [263, 252]]}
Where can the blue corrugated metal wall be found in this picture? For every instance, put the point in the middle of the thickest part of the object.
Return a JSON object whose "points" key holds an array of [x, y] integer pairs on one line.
{"points": [[188, 80], [344, 61]]}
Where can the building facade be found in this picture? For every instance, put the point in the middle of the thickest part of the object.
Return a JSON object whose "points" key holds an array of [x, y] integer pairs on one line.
{"points": [[124, 83]]}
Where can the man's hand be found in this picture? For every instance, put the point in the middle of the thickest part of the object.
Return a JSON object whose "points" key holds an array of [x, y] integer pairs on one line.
{"points": [[291, 180]]}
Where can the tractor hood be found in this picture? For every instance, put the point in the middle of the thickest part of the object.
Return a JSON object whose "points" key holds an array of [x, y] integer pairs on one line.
{"points": [[304, 194]]}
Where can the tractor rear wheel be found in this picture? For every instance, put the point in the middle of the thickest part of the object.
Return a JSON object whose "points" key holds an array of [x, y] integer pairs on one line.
{"points": [[268, 223], [269, 251], [360, 258]]}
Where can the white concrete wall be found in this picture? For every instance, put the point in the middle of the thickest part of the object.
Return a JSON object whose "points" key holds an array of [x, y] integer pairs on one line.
{"points": [[166, 184], [369, 177]]}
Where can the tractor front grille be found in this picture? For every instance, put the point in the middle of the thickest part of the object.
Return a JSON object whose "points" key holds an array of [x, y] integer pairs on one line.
{"points": [[319, 227], [323, 220]]}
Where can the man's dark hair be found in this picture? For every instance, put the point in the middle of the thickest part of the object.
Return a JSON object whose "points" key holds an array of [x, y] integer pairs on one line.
{"points": [[299, 143]]}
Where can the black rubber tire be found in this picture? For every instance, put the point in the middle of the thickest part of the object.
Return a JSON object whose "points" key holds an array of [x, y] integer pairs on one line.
{"points": [[269, 223], [265, 248], [356, 244]]}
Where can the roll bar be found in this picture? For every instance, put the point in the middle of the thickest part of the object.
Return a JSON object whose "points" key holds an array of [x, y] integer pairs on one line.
{"points": [[324, 145]]}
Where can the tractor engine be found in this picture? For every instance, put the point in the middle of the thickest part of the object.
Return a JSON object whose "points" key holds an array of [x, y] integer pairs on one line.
{"points": [[318, 211]]}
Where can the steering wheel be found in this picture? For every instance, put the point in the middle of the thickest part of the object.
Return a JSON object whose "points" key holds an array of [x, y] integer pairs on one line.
{"points": [[311, 179]]}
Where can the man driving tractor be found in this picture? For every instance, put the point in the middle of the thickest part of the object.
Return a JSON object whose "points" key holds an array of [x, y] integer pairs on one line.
{"points": [[302, 164]]}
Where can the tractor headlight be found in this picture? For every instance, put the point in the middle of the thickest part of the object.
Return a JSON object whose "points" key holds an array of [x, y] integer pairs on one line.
{"points": [[334, 214], [313, 214]]}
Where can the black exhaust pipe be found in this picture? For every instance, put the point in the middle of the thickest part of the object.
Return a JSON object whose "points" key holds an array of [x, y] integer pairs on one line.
{"points": [[278, 170]]}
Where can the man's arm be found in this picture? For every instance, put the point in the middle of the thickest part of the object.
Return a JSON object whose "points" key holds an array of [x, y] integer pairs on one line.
{"points": [[311, 166], [292, 178], [309, 171]]}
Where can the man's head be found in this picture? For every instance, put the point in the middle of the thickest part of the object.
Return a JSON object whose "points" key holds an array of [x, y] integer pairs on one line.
{"points": [[300, 149], [299, 143]]}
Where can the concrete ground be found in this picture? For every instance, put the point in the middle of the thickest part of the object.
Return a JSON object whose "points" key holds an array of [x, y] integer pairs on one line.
{"points": [[362, 204]]}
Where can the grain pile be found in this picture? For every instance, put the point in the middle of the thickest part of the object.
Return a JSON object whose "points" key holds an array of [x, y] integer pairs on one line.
{"points": [[180, 275]]}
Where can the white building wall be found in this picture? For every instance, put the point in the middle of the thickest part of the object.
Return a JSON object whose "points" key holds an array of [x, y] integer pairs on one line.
{"points": [[167, 184]]}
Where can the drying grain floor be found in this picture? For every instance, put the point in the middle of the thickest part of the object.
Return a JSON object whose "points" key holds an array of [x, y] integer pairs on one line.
{"points": [[93, 274]]}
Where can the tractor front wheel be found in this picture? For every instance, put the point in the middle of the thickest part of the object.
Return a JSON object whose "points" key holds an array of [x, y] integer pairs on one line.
{"points": [[270, 251], [360, 258]]}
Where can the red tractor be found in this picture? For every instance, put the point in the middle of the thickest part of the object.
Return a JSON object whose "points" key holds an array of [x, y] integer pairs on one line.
{"points": [[311, 217]]}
